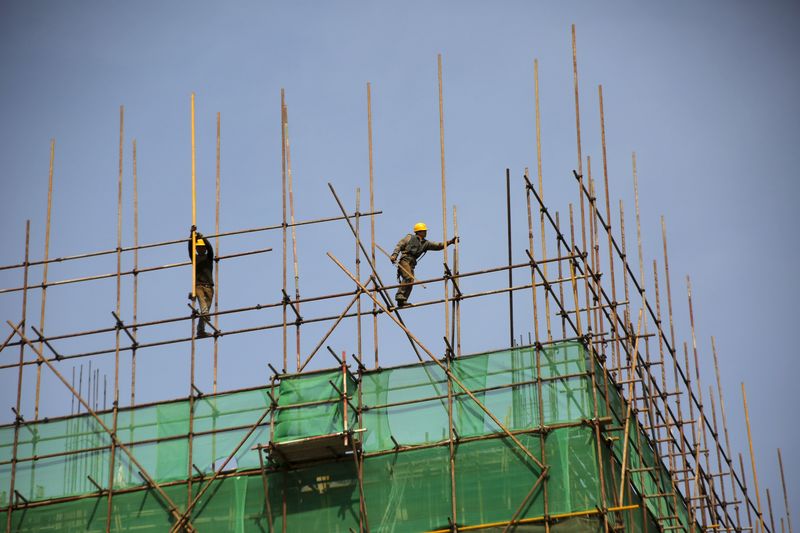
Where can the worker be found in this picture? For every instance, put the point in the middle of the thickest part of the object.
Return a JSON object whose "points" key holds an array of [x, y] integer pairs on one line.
{"points": [[409, 250], [203, 278]]}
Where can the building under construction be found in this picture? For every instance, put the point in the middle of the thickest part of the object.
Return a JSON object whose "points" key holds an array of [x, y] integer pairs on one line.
{"points": [[596, 422]]}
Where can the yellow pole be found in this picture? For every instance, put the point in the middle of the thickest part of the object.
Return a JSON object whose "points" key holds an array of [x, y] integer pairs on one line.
{"points": [[752, 459], [194, 203]]}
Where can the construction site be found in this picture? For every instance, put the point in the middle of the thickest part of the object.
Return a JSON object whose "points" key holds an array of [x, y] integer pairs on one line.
{"points": [[592, 416]]}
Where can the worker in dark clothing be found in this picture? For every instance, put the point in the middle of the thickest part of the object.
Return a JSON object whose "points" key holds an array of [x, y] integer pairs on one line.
{"points": [[409, 250], [203, 278]]}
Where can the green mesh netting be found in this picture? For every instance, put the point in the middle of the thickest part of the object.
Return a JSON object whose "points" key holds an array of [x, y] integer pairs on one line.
{"points": [[405, 491]]}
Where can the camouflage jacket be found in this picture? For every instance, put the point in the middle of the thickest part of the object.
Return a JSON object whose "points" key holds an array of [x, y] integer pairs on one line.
{"points": [[413, 247]]}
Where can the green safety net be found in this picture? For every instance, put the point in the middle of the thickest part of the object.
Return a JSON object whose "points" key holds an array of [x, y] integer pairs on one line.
{"points": [[405, 490], [230, 416], [311, 405]]}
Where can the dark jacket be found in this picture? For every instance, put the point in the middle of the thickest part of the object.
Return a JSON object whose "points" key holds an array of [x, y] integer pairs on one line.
{"points": [[204, 271], [412, 246]]}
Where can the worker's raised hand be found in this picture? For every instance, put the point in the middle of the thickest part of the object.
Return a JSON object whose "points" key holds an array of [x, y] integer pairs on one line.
{"points": [[393, 259], [193, 229], [454, 240]]}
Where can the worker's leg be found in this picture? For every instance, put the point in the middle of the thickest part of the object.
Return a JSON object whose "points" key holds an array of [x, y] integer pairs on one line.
{"points": [[205, 295], [405, 272]]}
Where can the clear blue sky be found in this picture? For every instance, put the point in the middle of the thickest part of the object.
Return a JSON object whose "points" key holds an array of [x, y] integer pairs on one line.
{"points": [[704, 92]]}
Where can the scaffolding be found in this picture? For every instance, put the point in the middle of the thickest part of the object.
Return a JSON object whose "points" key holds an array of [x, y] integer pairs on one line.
{"points": [[601, 426]]}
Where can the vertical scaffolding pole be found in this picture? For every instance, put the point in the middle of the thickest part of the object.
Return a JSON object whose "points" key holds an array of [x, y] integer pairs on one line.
{"points": [[18, 414], [785, 495], [194, 202], [560, 276], [290, 186], [190, 442], [444, 193], [532, 252], [115, 415], [216, 263], [744, 493], [543, 241], [616, 350], [752, 458], [510, 262], [456, 263], [725, 428], [372, 219], [44, 272], [135, 275], [283, 203], [358, 271], [577, 100]]}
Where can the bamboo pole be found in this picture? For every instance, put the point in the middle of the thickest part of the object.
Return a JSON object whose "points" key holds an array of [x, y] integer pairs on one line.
{"points": [[456, 273], [372, 217], [577, 100], [543, 239], [135, 273], [533, 270], [217, 249], [166, 243], [725, 428], [194, 205], [358, 272], [290, 185], [615, 344], [44, 271], [285, 227], [115, 414], [785, 495], [752, 458], [444, 192], [560, 275], [628, 409], [747, 504], [18, 413]]}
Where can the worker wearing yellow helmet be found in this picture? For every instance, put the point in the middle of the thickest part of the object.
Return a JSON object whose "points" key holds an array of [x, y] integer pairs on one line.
{"points": [[406, 254], [204, 276]]}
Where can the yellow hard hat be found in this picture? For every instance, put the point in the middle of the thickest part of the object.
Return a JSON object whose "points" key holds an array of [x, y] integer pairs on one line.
{"points": [[200, 242], [420, 226]]}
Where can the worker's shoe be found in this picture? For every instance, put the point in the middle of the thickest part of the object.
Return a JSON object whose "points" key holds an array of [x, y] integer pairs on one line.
{"points": [[401, 303], [201, 333]]}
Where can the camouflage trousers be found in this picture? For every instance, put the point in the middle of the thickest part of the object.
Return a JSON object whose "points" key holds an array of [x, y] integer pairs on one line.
{"points": [[205, 295], [405, 275]]}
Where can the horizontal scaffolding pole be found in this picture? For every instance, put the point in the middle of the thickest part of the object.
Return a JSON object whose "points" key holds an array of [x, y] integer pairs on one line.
{"points": [[183, 241], [128, 272]]}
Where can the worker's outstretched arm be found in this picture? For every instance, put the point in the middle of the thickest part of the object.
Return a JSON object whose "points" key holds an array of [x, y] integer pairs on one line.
{"points": [[432, 245]]}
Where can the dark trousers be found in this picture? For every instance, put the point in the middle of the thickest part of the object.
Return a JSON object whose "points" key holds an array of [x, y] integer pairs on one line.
{"points": [[405, 274]]}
